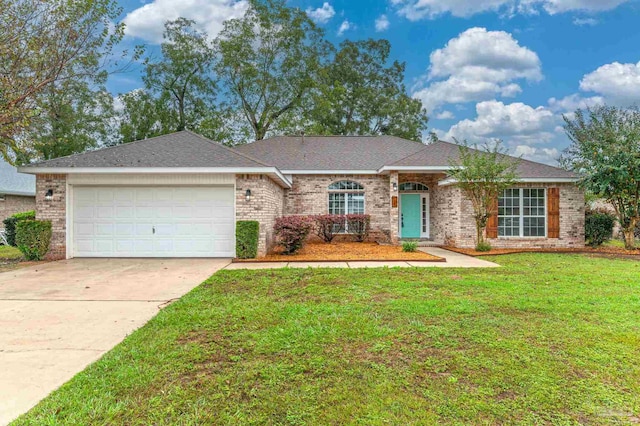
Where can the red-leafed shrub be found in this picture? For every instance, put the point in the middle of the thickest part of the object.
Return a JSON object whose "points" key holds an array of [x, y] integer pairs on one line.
{"points": [[328, 225], [359, 225], [292, 231]]}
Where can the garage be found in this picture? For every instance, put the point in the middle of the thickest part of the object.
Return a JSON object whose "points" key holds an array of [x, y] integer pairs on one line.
{"points": [[156, 221]]}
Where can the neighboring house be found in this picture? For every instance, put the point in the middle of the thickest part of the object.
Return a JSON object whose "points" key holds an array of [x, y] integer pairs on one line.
{"points": [[17, 191], [179, 195]]}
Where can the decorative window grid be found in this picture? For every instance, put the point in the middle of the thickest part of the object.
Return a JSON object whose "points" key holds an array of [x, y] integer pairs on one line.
{"points": [[345, 185], [413, 186], [349, 199], [522, 213]]}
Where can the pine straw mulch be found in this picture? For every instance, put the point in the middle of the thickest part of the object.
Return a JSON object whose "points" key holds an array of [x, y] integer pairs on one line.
{"points": [[602, 251], [346, 251]]}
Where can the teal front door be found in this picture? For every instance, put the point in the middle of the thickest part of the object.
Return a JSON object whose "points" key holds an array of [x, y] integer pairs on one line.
{"points": [[410, 215]]}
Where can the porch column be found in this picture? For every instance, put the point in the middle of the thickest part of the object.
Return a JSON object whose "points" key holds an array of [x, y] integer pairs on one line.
{"points": [[393, 210]]}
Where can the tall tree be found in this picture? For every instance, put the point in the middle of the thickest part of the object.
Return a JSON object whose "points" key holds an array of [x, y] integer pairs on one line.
{"points": [[269, 61], [72, 118], [44, 42], [361, 93], [605, 152], [180, 89], [183, 73], [483, 173]]}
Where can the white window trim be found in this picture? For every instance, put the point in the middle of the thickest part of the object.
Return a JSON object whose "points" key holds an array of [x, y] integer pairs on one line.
{"points": [[346, 203], [521, 219]]}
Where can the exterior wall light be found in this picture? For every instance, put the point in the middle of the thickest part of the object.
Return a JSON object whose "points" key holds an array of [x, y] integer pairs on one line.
{"points": [[48, 196], [247, 195], [395, 186]]}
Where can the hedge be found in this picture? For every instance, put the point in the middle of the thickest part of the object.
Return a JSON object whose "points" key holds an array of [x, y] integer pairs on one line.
{"points": [[359, 226], [247, 235], [329, 225], [10, 225], [33, 238], [598, 228], [292, 231]]}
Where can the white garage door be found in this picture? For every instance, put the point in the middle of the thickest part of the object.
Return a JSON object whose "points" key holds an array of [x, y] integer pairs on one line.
{"points": [[153, 222]]}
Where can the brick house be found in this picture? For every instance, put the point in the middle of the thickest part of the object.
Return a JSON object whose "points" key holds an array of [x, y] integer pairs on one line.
{"points": [[179, 195], [17, 191]]}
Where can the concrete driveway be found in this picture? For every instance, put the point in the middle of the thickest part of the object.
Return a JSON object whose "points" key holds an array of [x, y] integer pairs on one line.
{"points": [[57, 318]]}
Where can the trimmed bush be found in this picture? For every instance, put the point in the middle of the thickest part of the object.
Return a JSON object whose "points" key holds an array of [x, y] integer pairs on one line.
{"points": [[598, 228], [329, 225], [359, 226], [483, 247], [292, 231], [10, 225], [247, 235], [409, 246], [33, 238]]}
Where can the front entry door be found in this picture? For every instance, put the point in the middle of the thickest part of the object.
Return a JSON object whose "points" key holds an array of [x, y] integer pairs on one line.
{"points": [[410, 215]]}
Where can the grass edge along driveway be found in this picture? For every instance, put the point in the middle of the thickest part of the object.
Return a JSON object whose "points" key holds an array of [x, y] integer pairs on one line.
{"points": [[548, 339]]}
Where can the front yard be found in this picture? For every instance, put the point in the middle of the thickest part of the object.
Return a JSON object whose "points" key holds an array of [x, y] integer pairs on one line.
{"points": [[546, 339]]}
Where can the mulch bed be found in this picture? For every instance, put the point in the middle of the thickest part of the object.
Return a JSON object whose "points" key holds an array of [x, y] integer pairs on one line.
{"points": [[345, 252], [605, 251]]}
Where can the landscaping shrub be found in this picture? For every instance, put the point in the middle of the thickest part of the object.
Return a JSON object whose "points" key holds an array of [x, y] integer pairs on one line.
{"points": [[359, 226], [328, 225], [10, 225], [409, 246], [483, 246], [33, 238], [247, 235], [292, 231], [598, 228]]}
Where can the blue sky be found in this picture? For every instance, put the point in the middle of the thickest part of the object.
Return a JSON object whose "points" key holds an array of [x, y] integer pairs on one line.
{"points": [[484, 69]]}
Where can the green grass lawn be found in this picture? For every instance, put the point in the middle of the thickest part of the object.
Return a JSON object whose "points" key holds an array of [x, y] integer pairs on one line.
{"points": [[548, 339], [9, 253]]}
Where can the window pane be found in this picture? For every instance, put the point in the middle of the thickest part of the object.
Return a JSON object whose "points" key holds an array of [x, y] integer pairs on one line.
{"points": [[337, 204], [345, 185]]}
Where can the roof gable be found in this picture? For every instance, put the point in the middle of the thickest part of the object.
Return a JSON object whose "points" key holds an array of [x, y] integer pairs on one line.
{"points": [[180, 149]]}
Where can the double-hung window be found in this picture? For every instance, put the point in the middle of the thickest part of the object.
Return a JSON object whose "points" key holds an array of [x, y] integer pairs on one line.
{"points": [[522, 213], [346, 197]]}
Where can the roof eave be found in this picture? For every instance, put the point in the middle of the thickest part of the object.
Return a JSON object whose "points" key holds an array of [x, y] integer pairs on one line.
{"points": [[271, 171], [447, 182], [18, 193]]}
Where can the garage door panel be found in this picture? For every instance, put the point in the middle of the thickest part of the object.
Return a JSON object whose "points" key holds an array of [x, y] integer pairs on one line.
{"points": [[119, 222]]}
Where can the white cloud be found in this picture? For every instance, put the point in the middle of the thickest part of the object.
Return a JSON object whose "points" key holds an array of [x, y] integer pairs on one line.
{"points": [[617, 83], [516, 123], [382, 23], [542, 155], [344, 27], [445, 115], [581, 22], [477, 65], [322, 14], [570, 103], [420, 9], [147, 22]]}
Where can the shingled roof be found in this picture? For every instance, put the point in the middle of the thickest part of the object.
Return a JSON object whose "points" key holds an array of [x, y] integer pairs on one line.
{"points": [[294, 153], [14, 183], [442, 153], [180, 149]]}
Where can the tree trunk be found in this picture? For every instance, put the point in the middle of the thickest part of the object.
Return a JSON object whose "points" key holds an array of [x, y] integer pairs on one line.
{"points": [[479, 233], [629, 238]]}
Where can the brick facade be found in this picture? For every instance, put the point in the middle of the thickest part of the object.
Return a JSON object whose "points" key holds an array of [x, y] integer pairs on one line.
{"points": [[452, 220], [266, 204], [12, 204], [54, 210], [309, 195]]}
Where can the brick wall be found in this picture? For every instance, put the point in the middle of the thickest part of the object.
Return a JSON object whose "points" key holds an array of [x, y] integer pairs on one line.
{"points": [[460, 229], [309, 195], [54, 210], [15, 204], [266, 204]]}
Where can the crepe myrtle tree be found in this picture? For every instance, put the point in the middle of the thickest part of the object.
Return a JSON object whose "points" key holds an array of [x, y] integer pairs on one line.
{"points": [[483, 173], [605, 152]]}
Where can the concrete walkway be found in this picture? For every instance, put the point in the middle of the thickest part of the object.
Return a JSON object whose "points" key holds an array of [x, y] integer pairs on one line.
{"points": [[453, 260], [57, 318]]}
